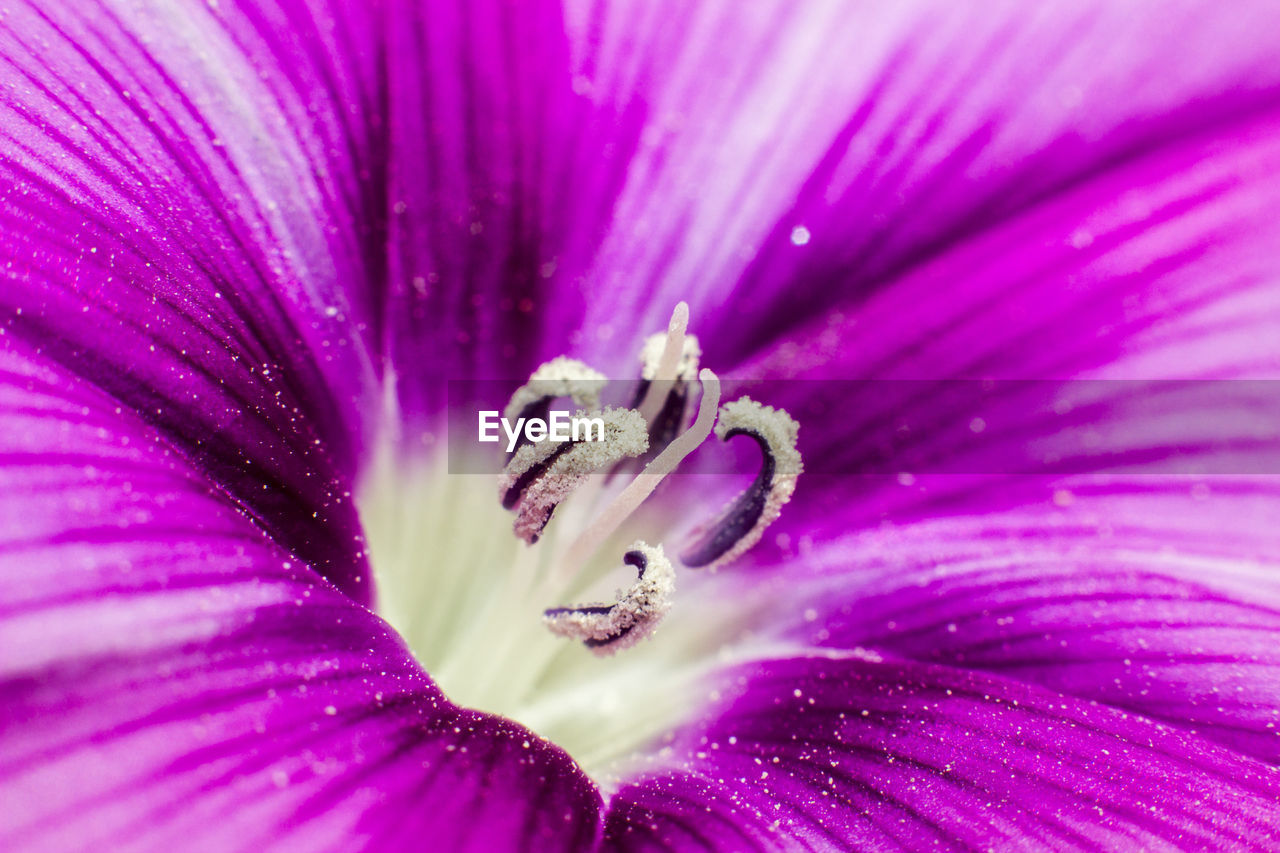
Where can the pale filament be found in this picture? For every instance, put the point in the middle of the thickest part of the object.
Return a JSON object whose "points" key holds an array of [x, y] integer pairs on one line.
{"points": [[668, 364], [630, 498]]}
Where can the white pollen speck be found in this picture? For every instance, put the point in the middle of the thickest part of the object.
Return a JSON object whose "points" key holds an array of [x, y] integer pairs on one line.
{"points": [[330, 710], [977, 425], [800, 236]]}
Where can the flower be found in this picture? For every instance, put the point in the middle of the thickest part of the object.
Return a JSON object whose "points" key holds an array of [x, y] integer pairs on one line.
{"points": [[246, 244]]}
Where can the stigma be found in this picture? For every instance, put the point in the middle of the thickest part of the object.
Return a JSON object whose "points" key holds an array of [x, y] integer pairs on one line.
{"points": [[646, 440]]}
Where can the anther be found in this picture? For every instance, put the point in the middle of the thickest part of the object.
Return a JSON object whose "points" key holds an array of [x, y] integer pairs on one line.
{"points": [[686, 366], [671, 391], [742, 522], [560, 377], [609, 628], [541, 475]]}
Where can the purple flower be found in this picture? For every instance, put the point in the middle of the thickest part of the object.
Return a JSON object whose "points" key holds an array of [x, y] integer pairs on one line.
{"points": [[245, 245]]}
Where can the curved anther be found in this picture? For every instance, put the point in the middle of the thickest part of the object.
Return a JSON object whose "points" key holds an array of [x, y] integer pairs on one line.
{"points": [[742, 522], [609, 628], [540, 475], [560, 377]]}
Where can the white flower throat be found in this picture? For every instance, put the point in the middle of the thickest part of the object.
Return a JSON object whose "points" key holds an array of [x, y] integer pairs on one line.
{"points": [[488, 615]]}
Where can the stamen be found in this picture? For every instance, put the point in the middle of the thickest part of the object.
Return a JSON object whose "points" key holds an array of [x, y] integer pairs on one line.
{"points": [[742, 522], [541, 475], [673, 389], [685, 368], [560, 377], [630, 498], [660, 370], [609, 628]]}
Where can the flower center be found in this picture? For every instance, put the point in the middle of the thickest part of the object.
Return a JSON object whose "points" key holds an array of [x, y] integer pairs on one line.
{"points": [[488, 614]]}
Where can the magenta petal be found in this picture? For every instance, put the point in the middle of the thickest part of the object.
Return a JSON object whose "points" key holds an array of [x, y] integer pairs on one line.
{"points": [[175, 228], [171, 678], [1144, 591], [1159, 597], [797, 155], [1157, 268], [857, 753], [498, 188], [1151, 268]]}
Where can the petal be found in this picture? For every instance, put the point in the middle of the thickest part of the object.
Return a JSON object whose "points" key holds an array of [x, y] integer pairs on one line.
{"points": [[176, 227], [497, 190], [1155, 268], [793, 157], [614, 162], [1075, 312], [170, 677], [1103, 576], [854, 752], [1152, 265], [1162, 598]]}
